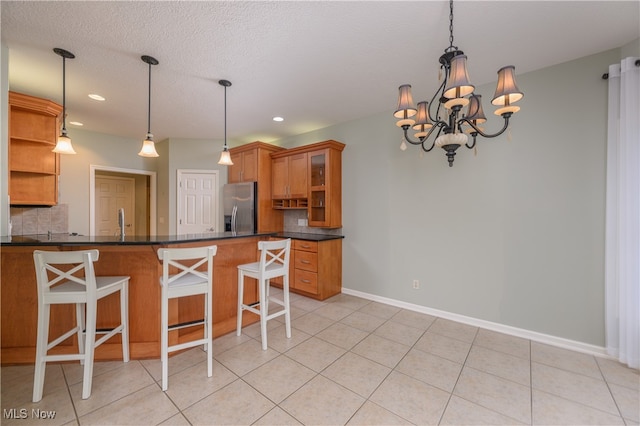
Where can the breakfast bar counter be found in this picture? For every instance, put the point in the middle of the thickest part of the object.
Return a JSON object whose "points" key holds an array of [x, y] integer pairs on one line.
{"points": [[136, 257]]}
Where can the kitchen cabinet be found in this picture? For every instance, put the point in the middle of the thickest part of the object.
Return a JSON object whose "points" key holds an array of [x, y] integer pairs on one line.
{"points": [[245, 166], [252, 163], [289, 179], [316, 268], [325, 185], [322, 177], [33, 167]]}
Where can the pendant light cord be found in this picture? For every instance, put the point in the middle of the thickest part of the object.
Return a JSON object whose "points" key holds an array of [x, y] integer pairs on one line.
{"points": [[149, 104], [225, 116], [64, 100]]}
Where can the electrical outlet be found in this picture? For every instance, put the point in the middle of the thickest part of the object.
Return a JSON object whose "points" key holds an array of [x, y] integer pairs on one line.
{"points": [[302, 222], [416, 284]]}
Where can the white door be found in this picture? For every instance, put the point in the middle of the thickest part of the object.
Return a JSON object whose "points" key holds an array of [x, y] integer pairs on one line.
{"points": [[197, 201], [113, 193]]}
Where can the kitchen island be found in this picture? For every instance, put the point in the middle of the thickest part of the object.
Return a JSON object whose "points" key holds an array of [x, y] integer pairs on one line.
{"points": [[136, 257]]}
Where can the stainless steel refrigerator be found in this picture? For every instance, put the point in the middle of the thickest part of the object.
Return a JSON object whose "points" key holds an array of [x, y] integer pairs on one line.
{"points": [[240, 207]]}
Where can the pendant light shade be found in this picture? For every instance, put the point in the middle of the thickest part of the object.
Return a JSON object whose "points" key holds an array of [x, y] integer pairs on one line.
{"points": [[225, 156], [507, 91], [63, 145], [148, 146], [459, 85]]}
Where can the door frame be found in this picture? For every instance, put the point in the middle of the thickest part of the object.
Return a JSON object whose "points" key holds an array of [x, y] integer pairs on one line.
{"points": [[216, 193], [92, 195]]}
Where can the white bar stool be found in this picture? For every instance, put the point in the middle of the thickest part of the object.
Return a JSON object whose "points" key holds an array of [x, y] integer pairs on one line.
{"points": [[76, 285], [183, 279], [274, 262]]}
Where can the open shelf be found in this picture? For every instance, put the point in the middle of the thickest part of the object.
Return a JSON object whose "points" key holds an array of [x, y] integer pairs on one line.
{"points": [[298, 203]]}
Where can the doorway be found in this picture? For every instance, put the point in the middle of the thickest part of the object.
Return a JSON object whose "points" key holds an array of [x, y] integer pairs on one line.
{"points": [[143, 212], [197, 201], [112, 194]]}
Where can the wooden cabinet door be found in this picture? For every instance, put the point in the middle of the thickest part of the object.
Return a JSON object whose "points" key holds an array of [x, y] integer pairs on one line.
{"points": [[250, 166], [235, 171], [298, 176], [245, 166], [279, 178]]}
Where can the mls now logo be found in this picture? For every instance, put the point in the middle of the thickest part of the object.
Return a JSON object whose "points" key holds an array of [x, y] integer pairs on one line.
{"points": [[23, 413]]}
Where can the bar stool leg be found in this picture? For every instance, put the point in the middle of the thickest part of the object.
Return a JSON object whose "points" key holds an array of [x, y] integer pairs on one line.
{"points": [[90, 348], [263, 312], [80, 325], [165, 340], [240, 299], [287, 314], [124, 319], [41, 352], [209, 331]]}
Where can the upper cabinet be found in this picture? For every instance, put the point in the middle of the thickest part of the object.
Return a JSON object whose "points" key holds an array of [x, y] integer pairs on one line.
{"points": [[325, 186], [310, 177], [245, 165], [252, 163], [289, 176], [33, 167]]}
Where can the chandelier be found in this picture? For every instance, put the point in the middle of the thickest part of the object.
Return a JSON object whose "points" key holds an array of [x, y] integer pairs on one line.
{"points": [[448, 122]]}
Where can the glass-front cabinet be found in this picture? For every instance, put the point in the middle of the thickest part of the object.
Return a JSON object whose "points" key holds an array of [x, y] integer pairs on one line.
{"points": [[325, 186], [317, 209]]}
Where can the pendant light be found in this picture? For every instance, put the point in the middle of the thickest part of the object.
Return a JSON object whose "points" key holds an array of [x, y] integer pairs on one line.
{"points": [[225, 156], [63, 145], [148, 146]]}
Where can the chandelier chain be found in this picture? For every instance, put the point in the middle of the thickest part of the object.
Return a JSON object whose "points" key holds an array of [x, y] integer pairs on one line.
{"points": [[450, 24], [451, 47]]}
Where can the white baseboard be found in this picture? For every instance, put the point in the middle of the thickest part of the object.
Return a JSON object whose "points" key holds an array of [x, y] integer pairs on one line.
{"points": [[501, 328]]}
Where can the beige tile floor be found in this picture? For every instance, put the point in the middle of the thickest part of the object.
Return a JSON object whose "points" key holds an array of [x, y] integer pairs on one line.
{"points": [[349, 361]]}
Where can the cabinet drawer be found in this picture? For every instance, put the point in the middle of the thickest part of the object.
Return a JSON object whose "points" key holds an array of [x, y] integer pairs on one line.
{"points": [[305, 245], [305, 281], [306, 260]]}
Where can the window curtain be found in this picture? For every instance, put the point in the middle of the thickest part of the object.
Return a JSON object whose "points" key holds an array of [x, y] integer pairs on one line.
{"points": [[622, 246]]}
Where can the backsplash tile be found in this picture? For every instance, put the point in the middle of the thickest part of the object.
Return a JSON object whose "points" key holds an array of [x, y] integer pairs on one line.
{"points": [[40, 220], [291, 224]]}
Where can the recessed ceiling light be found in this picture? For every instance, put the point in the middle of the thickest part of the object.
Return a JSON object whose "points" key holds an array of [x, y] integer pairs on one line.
{"points": [[96, 97], [278, 119], [76, 123]]}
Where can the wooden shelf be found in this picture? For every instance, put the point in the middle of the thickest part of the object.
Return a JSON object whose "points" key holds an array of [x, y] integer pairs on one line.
{"points": [[289, 204], [33, 167]]}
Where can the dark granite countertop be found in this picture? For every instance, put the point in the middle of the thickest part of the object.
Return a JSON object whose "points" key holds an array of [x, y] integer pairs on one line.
{"points": [[308, 236], [71, 239]]}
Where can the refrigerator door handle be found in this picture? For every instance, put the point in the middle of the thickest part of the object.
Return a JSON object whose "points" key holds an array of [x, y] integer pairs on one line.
{"points": [[234, 214]]}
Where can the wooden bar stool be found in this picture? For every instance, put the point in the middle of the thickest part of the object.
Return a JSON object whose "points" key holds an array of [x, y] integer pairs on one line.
{"points": [[60, 283], [274, 262], [181, 278]]}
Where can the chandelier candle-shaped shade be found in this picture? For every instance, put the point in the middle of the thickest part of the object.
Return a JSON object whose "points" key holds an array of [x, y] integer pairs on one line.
{"points": [[405, 107], [443, 116], [225, 156], [475, 114], [148, 146], [458, 85], [63, 145], [506, 91], [423, 123]]}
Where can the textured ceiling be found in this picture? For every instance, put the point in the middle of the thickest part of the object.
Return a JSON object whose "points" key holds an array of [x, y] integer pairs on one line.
{"points": [[314, 63]]}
